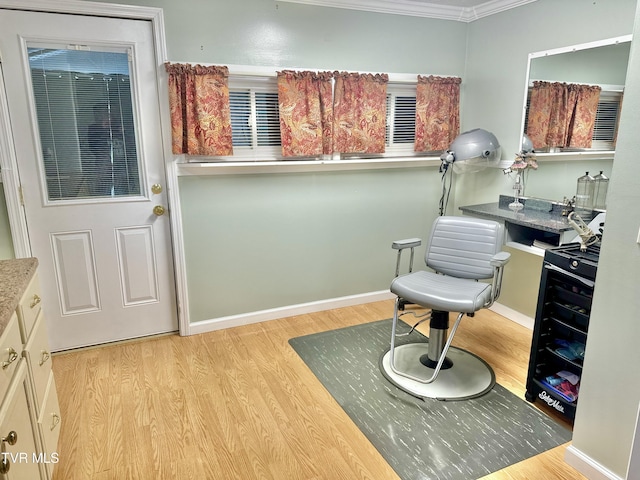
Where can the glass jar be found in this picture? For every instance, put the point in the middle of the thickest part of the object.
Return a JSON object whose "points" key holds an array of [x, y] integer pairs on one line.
{"points": [[584, 196], [600, 191]]}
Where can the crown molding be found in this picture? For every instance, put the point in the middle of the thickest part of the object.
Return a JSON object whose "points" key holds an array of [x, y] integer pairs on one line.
{"points": [[81, 7], [418, 8]]}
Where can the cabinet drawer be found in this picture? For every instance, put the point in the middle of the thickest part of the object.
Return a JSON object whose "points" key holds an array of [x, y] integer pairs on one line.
{"points": [[15, 423], [39, 359], [10, 353], [29, 307], [49, 424]]}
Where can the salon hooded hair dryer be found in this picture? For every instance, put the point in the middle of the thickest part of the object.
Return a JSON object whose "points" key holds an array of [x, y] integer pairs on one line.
{"points": [[472, 151], [469, 152]]}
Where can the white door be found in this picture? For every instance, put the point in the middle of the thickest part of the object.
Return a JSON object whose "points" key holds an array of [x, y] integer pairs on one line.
{"points": [[85, 118]]}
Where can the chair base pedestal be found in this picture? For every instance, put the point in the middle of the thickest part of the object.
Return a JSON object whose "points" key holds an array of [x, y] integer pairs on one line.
{"points": [[469, 377]]}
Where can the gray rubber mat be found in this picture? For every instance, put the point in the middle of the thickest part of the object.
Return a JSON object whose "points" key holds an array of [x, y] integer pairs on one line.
{"points": [[424, 439]]}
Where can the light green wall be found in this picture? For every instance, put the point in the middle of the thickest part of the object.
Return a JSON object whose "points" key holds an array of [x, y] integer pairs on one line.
{"points": [[256, 242], [282, 34], [519, 290], [577, 66], [610, 390], [6, 243]]}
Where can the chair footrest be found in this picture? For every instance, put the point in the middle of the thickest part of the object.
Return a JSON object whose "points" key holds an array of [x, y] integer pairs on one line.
{"points": [[469, 377]]}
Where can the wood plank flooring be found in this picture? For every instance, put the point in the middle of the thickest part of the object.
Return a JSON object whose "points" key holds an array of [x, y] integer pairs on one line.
{"points": [[240, 404]]}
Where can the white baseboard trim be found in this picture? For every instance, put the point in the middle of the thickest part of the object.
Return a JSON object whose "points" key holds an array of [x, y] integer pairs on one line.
{"points": [[513, 315], [288, 311], [322, 305], [587, 466]]}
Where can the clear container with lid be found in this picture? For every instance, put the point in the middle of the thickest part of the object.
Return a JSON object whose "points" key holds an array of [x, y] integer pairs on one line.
{"points": [[585, 196], [600, 191]]}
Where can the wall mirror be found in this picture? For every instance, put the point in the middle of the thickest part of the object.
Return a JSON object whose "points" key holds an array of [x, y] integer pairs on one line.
{"points": [[602, 63]]}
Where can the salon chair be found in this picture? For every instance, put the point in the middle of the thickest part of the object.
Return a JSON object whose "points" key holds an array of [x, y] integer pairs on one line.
{"points": [[461, 251]]}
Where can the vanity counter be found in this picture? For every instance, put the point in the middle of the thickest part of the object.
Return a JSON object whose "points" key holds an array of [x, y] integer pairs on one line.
{"points": [[539, 223], [15, 276], [537, 214]]}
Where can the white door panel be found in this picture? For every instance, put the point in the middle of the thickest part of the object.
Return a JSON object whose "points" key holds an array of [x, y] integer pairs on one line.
{"points": [[137, 261], [85, 119], [74, 265]]}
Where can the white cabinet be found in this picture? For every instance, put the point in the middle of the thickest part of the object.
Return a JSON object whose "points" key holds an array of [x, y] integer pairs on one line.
{"points": [[17, 461], [29, 410], [29, 307], [10, 352], [46, 408]]}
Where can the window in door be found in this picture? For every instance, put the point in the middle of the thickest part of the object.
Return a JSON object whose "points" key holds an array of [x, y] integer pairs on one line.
{"points": [[84, 109]]}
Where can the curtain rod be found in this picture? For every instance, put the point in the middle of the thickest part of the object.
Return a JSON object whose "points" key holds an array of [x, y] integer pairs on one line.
{"points": [[263, 71], [604, 86]]}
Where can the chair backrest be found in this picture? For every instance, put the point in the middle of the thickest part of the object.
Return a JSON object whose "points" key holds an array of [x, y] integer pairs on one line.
{"points": [[463, 246]]}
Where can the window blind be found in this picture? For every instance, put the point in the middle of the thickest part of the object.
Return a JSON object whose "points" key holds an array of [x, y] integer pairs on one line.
{"points": [[607, 117], [255, 120], [85, 122], [402, 128]]}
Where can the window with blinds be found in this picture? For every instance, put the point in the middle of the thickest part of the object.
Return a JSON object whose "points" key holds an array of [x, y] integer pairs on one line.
{"points": [[255, 119], [255, 122], [605, 131], [85, 119], [401, 119]]}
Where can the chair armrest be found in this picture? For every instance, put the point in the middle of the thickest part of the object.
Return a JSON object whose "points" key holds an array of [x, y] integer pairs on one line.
{"points": [[406, 243], [401, 245], [500, 259]]}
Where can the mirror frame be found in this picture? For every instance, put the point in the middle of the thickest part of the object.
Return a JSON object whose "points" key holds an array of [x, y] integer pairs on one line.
{"points": [[599, 154]]}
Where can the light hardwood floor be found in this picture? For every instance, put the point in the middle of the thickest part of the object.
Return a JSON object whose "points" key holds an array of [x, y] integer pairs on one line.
{"points": [[240, 404]]}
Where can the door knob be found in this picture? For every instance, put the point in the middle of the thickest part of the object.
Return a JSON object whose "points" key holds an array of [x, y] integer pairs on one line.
{"points": [[158, 210], [11, 439]]}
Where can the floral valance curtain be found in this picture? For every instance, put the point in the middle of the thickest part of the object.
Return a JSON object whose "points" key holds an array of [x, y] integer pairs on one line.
{"points": [[437, 112], [562, 115], [359, 112], [305, 102], [200, 111]]}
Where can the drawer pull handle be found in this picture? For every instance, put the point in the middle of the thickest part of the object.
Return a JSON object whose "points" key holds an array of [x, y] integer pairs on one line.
{"points": [[36, 300], [44, 357], [13, 356], [55, 421]]}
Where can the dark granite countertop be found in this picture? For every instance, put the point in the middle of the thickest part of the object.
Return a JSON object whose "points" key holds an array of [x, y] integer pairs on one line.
{"points": [[538, 214], [15, 276]]}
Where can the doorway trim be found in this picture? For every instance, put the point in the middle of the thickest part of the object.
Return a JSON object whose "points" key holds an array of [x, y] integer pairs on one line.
{"points": [[8, 158]]}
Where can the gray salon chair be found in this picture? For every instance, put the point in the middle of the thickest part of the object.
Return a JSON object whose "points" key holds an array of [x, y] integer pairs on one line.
{"points": [[461, 251]]}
